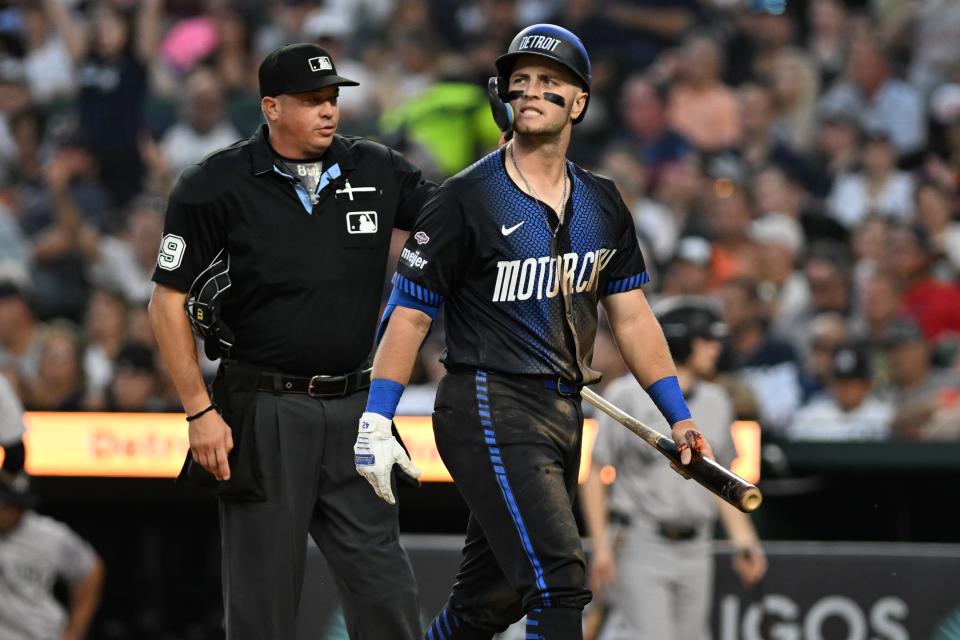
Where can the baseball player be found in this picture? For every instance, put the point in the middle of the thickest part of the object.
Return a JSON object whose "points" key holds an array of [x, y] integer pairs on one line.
{"points": [[277, 246], [11, 428], [659, 561], [35, 552], [519, 248]]}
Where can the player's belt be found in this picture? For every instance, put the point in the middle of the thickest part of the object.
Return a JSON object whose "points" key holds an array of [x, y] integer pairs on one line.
{"points": [[319, 386], [562, 387], [675, 532]]}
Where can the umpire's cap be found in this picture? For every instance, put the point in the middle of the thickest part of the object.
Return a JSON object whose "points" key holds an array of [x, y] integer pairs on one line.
{"points": [[295, 68], [548, 41], [684, 318]]}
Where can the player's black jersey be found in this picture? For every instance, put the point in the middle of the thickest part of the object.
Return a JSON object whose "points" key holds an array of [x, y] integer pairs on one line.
{"points": [[517, 299]]}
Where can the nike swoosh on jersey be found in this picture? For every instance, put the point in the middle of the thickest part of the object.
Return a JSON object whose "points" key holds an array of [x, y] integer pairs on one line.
{"points": [[508, 230]]}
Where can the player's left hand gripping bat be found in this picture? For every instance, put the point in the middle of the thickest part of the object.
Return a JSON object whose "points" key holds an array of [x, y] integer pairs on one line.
{"points": [[713, 476]]}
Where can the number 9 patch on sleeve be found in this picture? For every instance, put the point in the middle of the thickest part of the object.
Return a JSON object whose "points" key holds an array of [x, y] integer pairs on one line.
{"points": [[171, 252]]}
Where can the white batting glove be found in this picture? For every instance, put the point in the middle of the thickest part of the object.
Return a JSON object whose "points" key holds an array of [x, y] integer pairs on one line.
{"points": [[375, 453]]}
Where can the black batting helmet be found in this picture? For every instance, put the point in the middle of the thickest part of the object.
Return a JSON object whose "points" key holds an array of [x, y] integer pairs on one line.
{"points": [[548, 41], [687, 317]]}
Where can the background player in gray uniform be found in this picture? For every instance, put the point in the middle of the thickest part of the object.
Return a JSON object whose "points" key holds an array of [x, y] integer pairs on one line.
{"points": [[11, 428], [658, 556], [519, 249], [36, 551]]}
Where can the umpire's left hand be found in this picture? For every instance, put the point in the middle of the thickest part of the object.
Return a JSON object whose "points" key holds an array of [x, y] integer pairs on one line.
{"points": [[211, 439], [375, 453]]}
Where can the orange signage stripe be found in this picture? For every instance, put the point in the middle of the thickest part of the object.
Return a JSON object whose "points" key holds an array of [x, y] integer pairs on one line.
{"points": [[153, 445], [746, 438]]}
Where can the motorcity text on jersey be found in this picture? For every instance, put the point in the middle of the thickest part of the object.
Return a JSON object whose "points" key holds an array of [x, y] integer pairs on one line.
{"points": [[546, 276]]}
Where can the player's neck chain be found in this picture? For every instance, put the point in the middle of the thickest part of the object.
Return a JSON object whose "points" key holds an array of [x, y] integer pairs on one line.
{"points": [[560, 205]]}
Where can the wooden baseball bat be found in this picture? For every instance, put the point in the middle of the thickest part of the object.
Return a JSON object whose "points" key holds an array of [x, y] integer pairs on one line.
{"points": [[713, 476]]}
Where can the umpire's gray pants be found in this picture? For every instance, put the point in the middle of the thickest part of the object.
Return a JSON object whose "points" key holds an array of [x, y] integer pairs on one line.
{"points": [[305, 452], [664, 588]]}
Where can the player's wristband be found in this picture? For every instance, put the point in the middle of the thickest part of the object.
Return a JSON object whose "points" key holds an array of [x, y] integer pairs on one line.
{"points": [[668, 397], [384, 397]]}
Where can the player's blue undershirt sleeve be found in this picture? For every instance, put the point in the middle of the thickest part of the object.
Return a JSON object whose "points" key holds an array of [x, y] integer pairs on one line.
{"points": [[407, 293]]}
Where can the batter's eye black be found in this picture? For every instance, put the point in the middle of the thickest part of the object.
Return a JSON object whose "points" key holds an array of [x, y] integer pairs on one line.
{"points": [[513, 95], [555, 99]]}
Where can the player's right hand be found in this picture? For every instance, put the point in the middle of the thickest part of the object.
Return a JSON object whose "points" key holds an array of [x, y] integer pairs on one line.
{"points": [[211, 439], [375, 453]]}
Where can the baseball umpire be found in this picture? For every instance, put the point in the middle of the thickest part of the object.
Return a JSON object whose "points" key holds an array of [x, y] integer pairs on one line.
{"points": [[658, 555], [278, 246], [519, 248]]}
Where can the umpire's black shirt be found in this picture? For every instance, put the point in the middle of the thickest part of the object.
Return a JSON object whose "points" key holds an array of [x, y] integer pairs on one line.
{"points": [[307, 279]]}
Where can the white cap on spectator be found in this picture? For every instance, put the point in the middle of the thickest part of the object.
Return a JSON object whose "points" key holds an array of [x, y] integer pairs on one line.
{"points": [[322, 23], [945, 103], [693, 249], [777, 229]]}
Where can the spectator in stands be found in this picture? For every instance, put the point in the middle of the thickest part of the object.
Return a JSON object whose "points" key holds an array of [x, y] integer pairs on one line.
{"points": [[849, 411], [203, 126], [768, 364], [927, 399], [879, 187], [828, 332], [640, 30], [655, 223], [871, 250], [780, 242], [829, 37], [134, 384], [59, 384], [19, 334], [449, 116], [111, 55], [880, 306], [14, 99], [14, 251], [35, 552], [933, 304], [795, 86], [332, 30], [46, 59], [645, 130], [729, 210], [837, 149], [688, 273], [125, 261], [105, 331], [760, 145], [701, 107], [61, 217], [936, 206], [934, 27], [884, 101]]}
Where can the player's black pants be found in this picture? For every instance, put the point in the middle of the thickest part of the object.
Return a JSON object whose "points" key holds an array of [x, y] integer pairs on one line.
{"points": [[513, 448], [304, 456]]}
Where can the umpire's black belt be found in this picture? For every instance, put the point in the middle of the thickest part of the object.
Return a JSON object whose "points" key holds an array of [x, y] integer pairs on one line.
{"points": [[319, 386]]}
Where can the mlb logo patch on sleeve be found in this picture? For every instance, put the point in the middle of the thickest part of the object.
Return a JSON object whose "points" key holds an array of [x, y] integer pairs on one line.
{"points": [[362, 222]]}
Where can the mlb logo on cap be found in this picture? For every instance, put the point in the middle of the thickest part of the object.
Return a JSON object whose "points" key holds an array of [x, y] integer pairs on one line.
{"points": [[320, 63]]}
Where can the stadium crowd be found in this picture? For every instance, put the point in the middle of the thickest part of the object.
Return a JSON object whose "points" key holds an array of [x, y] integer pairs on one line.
{"points": [[797, 163]]}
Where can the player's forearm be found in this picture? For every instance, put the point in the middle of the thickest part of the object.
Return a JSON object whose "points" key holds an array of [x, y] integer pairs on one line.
{"points": [[594, 504], [639, 337], [84, 600], [739, 527], [401, 341], [178, 347]]}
